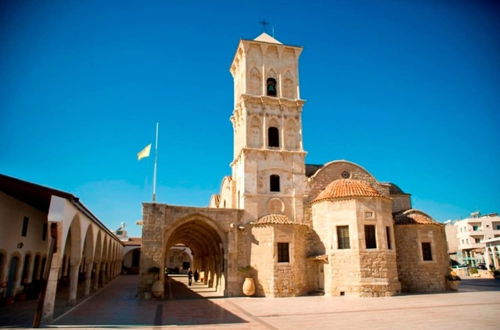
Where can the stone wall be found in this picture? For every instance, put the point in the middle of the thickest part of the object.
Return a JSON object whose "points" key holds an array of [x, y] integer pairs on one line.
{"points": [[415, 274], [290, 278], [357, 270], [262, 259], [274, 279]]}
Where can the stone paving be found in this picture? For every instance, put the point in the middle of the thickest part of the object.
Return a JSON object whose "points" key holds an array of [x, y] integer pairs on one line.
{"points": [[21, 313], [476, 305]]}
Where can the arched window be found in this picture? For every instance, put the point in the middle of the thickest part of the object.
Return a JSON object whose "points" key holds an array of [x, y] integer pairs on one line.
{"points": [[274, 182], [271, 87], [273, 137]]}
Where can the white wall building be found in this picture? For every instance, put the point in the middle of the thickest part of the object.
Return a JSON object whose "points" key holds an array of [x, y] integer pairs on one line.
{"points": [[88, 254], [466, 238]]}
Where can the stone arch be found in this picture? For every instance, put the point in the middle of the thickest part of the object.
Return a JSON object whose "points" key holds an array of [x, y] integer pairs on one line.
{"points": [[339, 169], [334, 170], [271, 54], [25, 273], [226, 192], [74, 238], [275, 206], [254, 82], [98, 247], [255, 132], [96, 278], [288, 85], [273, 133], [88, 257], [272, 83], [207, 242], [13, 273], [291, 134]]}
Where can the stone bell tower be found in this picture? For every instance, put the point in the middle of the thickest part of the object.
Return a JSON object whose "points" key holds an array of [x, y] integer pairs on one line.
{"points": [[268, 167]]}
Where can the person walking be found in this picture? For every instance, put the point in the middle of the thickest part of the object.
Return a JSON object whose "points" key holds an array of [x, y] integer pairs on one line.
{"points": [[190, 276], [196, 275]]}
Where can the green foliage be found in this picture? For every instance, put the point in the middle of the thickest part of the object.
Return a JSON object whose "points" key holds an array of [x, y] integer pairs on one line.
{"points": [[473, 270]]}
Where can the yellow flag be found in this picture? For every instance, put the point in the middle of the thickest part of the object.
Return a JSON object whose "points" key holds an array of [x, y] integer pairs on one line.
{"points": [[144, 152]]}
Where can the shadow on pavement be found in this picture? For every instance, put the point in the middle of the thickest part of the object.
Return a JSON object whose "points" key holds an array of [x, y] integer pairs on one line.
{"points": [[117, 305]]}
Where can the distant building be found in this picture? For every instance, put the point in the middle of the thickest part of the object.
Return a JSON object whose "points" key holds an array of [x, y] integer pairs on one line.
{"points": [[467, 239]]}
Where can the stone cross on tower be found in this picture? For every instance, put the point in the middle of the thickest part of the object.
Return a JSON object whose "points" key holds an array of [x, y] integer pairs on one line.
{"points": [[264, 24]]}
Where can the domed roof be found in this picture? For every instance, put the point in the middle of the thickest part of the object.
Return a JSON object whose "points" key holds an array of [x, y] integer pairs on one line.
{"points": [[279, 219], [343, 188], [414, 217], [395, 190]]}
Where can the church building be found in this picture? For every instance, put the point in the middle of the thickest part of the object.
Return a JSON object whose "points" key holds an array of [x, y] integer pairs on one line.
{"points": [[294, 228]]}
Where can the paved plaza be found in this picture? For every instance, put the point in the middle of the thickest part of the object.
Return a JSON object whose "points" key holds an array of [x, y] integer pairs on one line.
{"points": [[477, 305]]}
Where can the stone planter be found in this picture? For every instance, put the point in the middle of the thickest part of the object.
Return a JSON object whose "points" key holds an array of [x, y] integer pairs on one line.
{"points": [[249, 286], [157, 289]]}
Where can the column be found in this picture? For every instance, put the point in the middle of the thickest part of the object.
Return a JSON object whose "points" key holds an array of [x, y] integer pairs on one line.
{"points": [[55, 267], [73, 281], [264, 126], [88, 278], [102, 280], [97, 275], [282, 130]]}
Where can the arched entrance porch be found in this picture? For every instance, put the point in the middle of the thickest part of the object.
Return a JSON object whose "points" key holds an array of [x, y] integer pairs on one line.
{"points": [[210, 234], [201, 236]]}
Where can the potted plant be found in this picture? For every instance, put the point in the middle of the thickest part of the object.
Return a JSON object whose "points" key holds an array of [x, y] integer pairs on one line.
{"points": [[249, 283], [453, 281]]}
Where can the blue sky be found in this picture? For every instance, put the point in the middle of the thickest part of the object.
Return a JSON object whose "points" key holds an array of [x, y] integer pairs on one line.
{"points": [[410, 90]]}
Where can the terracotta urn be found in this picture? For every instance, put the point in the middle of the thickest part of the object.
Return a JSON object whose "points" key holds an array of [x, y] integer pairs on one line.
{"points": [[249, 286], [157, 289]]}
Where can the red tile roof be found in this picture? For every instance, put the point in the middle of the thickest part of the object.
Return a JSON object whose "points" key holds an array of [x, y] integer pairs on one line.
{"points": [[279, 219], [133, 241], [344, 188], [414, 217]]}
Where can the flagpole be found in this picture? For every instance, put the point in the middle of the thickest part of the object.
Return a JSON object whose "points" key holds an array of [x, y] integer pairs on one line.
{"points": [[156, 162]]}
